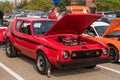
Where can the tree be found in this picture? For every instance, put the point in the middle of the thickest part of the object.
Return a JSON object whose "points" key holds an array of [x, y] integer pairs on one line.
{"points": [[64, 3], [108, 5], [43, 5], [81, 2], [22, 5], [5, 6]]}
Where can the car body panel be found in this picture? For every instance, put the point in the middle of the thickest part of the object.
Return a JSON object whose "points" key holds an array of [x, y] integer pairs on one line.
{"points": [[115, 41], [97, 24], [114, 27], [109, 41], [54, 43], [73, 24], [2, 33]]}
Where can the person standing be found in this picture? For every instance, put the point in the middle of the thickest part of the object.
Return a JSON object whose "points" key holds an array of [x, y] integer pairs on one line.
{"points": [[54, 13], [1, 16]]}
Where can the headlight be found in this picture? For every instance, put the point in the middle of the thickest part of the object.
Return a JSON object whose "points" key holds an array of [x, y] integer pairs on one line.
{"points": [[105, 51], [65, 55]]}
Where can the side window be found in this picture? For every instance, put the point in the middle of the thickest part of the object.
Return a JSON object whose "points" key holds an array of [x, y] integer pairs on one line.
{"points": [[18, 25], [25, 28]]}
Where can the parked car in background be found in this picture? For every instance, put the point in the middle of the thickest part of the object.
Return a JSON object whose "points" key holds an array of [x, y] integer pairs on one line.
{"points": [[37, 14], [97, 29], [117, 13], [78, 9], [56, 43], [15, 15], [108, 16], [3, 28], [109, 36]]}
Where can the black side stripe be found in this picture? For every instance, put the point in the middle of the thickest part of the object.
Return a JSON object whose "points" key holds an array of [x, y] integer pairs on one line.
{"points": [[30, 41]]}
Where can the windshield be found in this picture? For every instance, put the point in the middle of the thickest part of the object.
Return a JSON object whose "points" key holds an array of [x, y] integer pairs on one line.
{"points": [[42, 27], [100, 29], [114, 34]]}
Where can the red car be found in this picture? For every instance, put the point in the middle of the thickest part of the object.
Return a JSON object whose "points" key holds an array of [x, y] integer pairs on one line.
{"points": [[56, 43], [3, 28]]}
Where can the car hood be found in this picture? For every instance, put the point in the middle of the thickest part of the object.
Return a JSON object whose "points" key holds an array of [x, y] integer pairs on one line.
{"points": [[73, 24], [114, 27]]}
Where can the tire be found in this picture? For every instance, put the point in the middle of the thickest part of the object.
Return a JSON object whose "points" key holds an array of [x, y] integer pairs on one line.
{"points": [[114, 54], [10, 50], [90, 67], [42, 63]]}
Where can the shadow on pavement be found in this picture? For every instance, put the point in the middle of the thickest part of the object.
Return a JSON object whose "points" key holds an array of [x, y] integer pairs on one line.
{"points": [[57, 72], [2, 45]]}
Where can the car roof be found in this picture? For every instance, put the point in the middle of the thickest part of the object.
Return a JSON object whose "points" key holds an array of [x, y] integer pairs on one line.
{"points": [[100, 24], [34, 19]]}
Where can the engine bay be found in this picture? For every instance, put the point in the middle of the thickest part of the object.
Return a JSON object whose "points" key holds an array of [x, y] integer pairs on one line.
{"points": [[71, 41]]}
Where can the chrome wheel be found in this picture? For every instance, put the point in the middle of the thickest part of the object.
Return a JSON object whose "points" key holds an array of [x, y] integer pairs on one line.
{"points": [[40, 63], [10, 50]]}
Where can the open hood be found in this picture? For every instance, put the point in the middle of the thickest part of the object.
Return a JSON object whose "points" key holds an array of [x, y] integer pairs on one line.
{"points": [[73, 24], [114, 27]]}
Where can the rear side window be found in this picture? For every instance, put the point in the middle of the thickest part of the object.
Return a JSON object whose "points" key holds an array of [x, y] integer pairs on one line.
{"points": [[18, 25], [25, 28]]}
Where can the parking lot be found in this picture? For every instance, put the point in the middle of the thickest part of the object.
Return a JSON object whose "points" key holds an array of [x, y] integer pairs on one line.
{"points": [[22, 68]]}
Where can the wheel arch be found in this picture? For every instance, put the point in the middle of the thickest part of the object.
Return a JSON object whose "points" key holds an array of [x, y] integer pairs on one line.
{"points": [[113, 46], [10, 39], [41, 50], [115, 58], [7, 38], [44, 53]]}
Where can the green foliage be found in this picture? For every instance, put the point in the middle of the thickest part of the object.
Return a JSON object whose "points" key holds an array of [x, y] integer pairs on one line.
{"points": [[5, 6], [81, 2], [43, 5], [64, 3], [22, 5], [108, 5]]}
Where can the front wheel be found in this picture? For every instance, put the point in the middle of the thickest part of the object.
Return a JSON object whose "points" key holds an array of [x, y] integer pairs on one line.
{"points": [[10, 50], [42, 63], [114, 54]]}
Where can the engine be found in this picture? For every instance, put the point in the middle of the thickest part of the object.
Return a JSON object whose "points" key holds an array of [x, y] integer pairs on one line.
{"points": [[68, 42]]}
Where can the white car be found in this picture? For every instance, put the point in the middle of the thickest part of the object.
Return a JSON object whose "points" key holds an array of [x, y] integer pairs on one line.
{"points": [[97, 29]]}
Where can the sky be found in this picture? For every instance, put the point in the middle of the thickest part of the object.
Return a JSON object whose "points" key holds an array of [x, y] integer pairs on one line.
{"points": [[11, 0]]}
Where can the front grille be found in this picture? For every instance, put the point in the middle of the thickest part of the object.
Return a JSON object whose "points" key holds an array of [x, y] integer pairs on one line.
{"points": [[86, 54]]}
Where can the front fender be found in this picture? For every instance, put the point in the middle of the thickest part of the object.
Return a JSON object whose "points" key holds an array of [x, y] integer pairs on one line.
{"points": [[51, 53]]}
